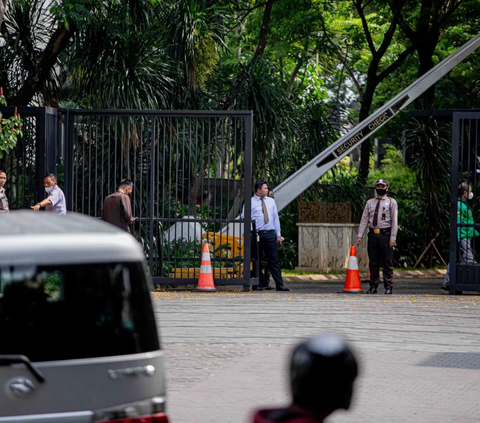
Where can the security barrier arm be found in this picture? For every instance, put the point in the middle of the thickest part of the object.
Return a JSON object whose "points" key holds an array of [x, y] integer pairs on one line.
{"points": [[292, 187]]}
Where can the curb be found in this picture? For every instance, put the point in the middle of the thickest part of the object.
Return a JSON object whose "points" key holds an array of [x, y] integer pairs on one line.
{"points": [[407, 274]]}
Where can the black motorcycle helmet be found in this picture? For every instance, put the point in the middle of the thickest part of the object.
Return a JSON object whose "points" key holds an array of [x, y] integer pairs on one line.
{"points": [[322, 372]]}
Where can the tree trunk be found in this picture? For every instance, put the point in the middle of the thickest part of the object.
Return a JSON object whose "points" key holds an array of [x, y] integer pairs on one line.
{"points": [[3, 8], [425, 51], [367, 100], [262, 42], [298, 66], [42, 68]]}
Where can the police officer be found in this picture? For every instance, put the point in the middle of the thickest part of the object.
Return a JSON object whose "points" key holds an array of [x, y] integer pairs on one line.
{"points": [[3, 196], [323, 370], [380, 216]]}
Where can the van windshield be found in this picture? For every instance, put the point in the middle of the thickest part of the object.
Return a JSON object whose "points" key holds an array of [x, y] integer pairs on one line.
{"points": [[69, 312]]}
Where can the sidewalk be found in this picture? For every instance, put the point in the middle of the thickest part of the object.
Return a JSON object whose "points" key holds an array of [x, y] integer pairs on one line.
{"points": [[398, 274]]}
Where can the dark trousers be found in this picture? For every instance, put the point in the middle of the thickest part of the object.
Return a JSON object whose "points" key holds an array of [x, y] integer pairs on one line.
{"points": [[268, 248], [266, 270], [380, 254]]}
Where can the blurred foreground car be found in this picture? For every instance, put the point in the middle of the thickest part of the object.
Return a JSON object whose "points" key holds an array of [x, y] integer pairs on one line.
{"points": [[78, 338]]}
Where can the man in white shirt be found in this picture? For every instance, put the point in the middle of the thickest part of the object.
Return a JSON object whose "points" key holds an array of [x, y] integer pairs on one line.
{"points": [[3, 196], [264, 212], [55, 202]]}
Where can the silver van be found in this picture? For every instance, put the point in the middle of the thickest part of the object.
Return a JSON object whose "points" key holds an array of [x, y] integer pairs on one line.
{"points": [[78, 337]]}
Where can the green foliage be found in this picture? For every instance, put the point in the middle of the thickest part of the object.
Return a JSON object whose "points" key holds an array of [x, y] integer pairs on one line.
{"points": [[393, 170], [10, 128], [53, 282], [288, 255], [71, 13], [343, 187], [196, 54], [428, 143]]}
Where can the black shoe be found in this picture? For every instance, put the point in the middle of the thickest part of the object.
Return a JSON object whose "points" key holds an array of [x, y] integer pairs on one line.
{"points": [[282, 288], [389, 291], [445, 288], [258, 288], [372, 290]]}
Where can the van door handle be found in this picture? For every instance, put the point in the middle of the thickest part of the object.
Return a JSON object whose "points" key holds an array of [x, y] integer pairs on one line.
{"points": [[18, 358]]}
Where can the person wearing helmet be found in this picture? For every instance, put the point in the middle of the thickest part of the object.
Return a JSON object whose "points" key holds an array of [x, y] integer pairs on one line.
{"points": [[380, 215], [323, 370]]}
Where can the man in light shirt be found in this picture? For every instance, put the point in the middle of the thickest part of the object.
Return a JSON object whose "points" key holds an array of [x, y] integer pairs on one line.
{"points": [[264, 212], [3, 196], [55, 202]]}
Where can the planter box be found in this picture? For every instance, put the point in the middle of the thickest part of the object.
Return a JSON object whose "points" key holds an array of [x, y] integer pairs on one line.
{"points": [[323, 212], [326, 246]]}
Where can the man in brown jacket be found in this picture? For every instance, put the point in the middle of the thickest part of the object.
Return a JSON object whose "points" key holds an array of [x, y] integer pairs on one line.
{"points": [[117, 208]]}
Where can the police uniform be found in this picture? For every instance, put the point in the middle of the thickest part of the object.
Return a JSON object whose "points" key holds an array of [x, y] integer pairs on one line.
{"points": [[380, 216], [3, 201]]}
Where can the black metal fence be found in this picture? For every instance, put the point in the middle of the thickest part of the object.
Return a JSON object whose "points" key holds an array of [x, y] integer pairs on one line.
{"points": [[464, 270], [35, 154], [192, 173]]}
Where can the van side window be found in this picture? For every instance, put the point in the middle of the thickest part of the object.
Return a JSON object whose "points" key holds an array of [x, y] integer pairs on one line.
{"points": [[76, 311]]}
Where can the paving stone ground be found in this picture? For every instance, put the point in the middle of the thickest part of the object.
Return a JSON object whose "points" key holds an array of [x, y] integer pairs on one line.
{"points": [[227, 352]]}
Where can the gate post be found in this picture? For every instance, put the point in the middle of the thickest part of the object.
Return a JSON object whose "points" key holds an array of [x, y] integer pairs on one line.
{"points": [[40, 153], [453, 204], [464, 272], [46, 147], [248, 198]]}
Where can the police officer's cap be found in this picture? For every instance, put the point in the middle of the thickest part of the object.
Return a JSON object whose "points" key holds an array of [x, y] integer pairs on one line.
{"points": [[322, 372], [381, 182]]}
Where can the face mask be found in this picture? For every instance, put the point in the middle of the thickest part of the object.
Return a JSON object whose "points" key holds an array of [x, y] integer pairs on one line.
{"points": [[470, 196], [381, 191], [48, 189]]}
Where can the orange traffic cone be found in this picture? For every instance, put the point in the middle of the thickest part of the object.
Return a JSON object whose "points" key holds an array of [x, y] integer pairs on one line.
{"points": [[352, 281], [205, 281]]}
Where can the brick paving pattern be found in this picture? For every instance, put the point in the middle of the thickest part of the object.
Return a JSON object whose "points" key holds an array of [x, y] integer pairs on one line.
{"points": [[227, 353]]}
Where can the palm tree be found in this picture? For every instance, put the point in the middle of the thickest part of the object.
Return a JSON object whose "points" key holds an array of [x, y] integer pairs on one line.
{"points": [[427, 144], [27, 28]]}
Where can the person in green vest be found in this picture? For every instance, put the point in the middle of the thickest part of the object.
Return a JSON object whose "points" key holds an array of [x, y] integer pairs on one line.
{"points": [[464, 233]]}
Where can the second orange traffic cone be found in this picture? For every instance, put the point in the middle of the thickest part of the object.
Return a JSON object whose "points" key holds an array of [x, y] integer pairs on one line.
{"points": [[205, 280], [352, 281]]}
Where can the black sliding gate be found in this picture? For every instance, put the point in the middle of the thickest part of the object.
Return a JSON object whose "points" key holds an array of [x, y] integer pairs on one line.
{"points": [[464, 258], [192, 174]]}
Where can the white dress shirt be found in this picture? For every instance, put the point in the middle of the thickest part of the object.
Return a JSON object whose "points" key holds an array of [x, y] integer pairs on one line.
{"points": [[257, 215], [57, 198]]}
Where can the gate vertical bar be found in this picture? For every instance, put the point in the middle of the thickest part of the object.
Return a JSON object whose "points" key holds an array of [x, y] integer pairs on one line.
{"points": [[152, 188], [248, 190], [41, 168], [69, 160], [453, 202]]}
